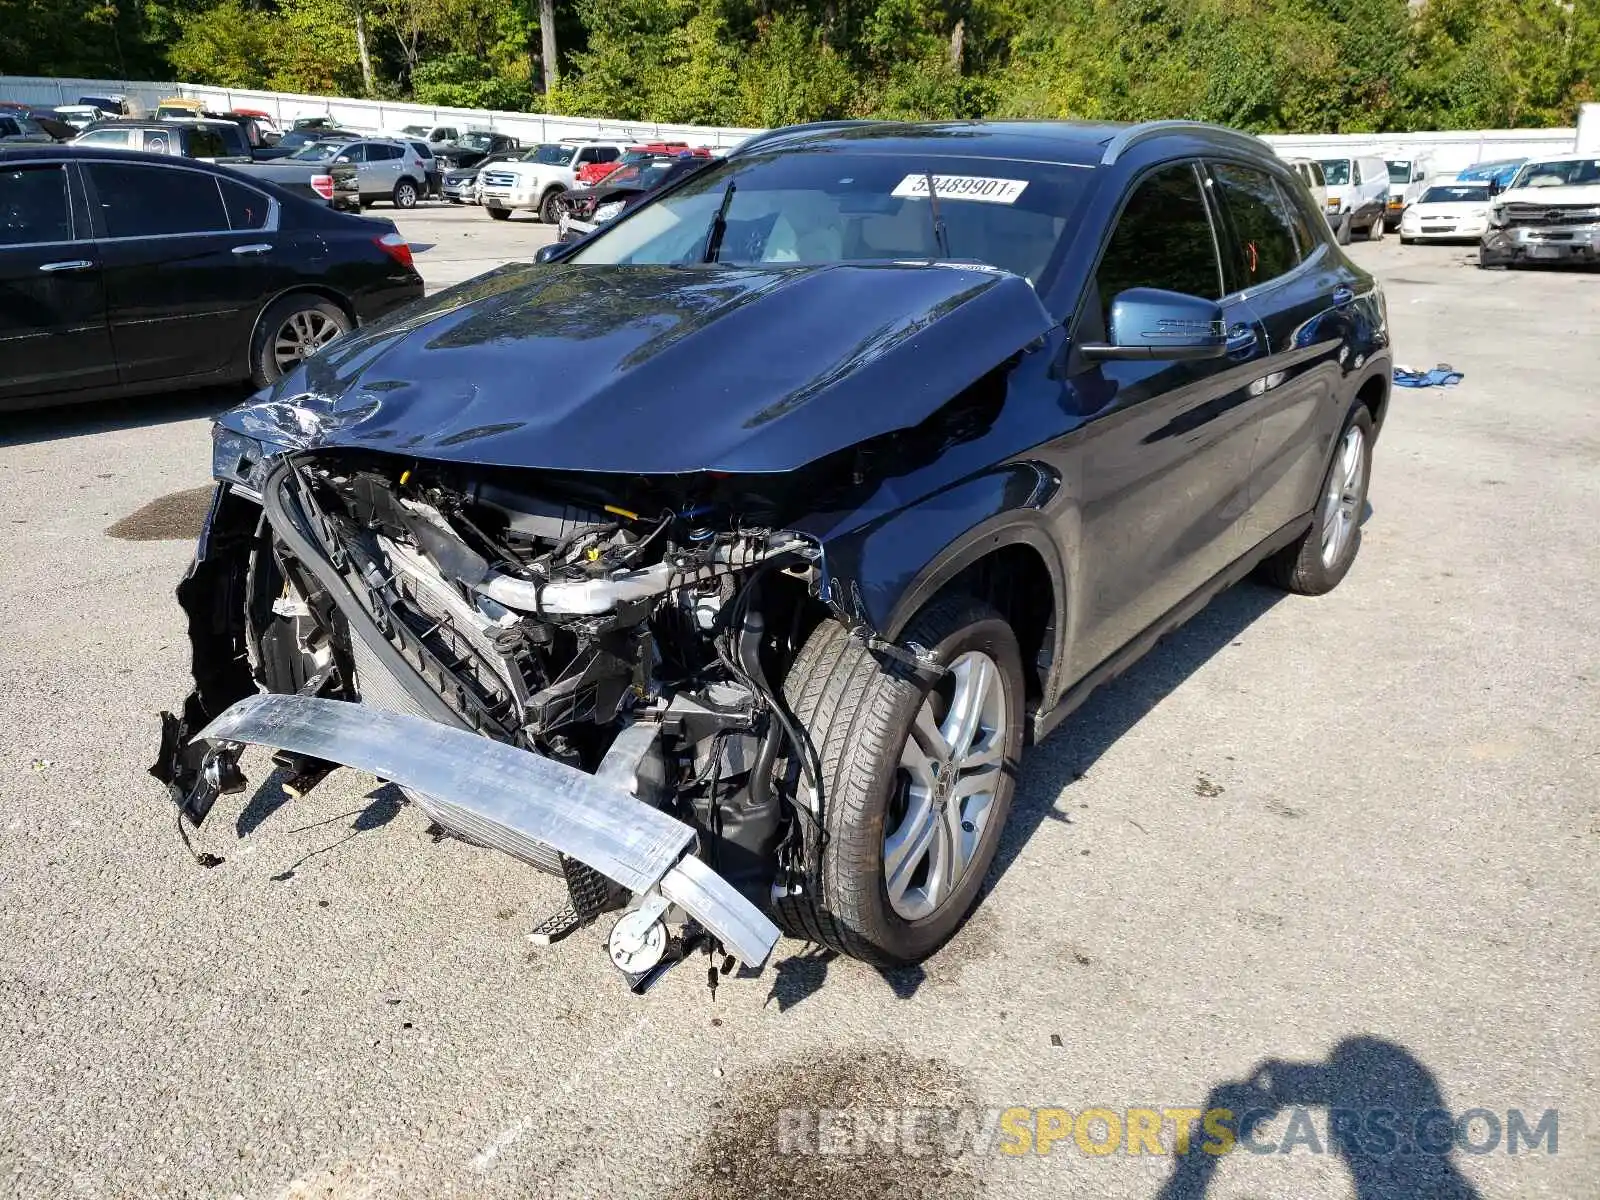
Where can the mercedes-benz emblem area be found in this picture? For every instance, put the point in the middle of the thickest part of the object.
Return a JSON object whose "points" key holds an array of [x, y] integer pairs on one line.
{"points": [[722, 563]]}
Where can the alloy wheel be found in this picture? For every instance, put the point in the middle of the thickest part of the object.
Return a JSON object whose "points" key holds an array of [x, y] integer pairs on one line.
{"points": [[1346, 490], [950, 769], [301, 336]]}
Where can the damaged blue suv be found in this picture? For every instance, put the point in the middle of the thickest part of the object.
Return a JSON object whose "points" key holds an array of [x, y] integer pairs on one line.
{"points": [[724, 562]]}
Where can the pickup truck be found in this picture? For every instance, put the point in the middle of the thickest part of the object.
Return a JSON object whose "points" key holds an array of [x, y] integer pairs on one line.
{"points": [[1549, 214], [223, 143]]}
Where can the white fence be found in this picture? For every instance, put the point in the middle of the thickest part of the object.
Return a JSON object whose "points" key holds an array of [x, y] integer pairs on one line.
{"points": [[1447, 150]]}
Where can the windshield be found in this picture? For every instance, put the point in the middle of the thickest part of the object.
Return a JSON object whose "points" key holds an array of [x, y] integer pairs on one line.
{"points": [[1399, 170], [827, 206], [1336, 170], [1559, 173], [551, 154], [1456, 194], [165, 112], [318, 151], [476, 141]]}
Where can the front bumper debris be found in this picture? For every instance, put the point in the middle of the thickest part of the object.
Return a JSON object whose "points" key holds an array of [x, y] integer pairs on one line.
{"points": [[501, 796], [1556, 243]]}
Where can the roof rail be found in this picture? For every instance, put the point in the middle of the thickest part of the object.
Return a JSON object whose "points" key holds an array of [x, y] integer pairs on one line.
{"points": [[770, 135], [1134, 134]]}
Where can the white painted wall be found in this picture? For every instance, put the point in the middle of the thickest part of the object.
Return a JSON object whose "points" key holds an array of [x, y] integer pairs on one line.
{"points": [[1448, 151]]}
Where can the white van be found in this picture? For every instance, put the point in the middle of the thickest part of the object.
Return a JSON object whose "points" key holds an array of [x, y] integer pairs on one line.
{"points": [[1358, 195], [1310, 171], [1407, 177]]}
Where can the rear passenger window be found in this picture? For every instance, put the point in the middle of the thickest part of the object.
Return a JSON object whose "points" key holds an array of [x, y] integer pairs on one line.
{"points": [[1162, 240], [1304, 238], [140, 201], [246, 207], [33, 206], [1261, 225], [376, 153]]}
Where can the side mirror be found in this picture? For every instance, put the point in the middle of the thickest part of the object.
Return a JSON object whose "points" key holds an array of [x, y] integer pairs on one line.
{"points": [[1150, 323], [548, 253]]}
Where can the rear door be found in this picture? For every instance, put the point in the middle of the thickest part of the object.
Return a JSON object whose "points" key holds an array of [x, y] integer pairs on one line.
{"points": [[182, 286], [1163, 463], [53, 335], [1277, 257]]}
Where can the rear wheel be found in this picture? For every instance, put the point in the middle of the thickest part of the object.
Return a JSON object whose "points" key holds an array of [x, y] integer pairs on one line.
{"points": [[1375, 230], [291, 331], [405, 194], [1319, 559], [916, 784]]}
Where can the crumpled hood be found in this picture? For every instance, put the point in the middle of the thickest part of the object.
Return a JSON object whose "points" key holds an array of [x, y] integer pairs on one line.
{"points": [[657, 369]]}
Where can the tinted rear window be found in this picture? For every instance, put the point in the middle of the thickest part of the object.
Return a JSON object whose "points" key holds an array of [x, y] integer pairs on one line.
{"points": [[148, 201]]}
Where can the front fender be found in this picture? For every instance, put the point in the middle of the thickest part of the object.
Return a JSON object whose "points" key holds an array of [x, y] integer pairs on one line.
{"points": [[884, 572]]}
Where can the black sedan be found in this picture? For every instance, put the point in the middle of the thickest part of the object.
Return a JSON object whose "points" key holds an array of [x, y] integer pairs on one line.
{"points": [[583, 210], [123, 273]]}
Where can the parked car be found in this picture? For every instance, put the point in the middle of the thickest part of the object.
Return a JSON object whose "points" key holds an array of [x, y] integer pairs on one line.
{"points": [[14, 127], [473, 147], [81, 116], [435, 135], [385, 170], [592, 173], [461, 185], [583, 210], [1498, 172], [132, 274], [299, 139], [1407, 179], [1310, 172], [1550, 213], [535, 180], [179, 108], [729, 558], [50, 120], [223, 143], [113, 106], [1358, 195], [268, 124], [315, 123], [432, 174], [1457, 210]]}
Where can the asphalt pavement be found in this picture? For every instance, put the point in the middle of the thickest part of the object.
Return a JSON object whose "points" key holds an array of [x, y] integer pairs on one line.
{"points": [[1337, 853]]}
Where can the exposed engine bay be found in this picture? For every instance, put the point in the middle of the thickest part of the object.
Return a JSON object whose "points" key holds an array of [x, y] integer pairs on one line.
{"points": [[626, 629]]}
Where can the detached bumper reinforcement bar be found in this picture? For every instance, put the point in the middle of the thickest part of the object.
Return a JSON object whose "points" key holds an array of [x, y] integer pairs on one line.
{"points": [[500, 795]]}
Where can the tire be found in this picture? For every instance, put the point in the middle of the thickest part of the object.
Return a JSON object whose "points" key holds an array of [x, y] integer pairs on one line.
{"points": [[499, 214], [294, 316], [860, 714], [1304, 566], [549, 213], [1375, 230], [1405, 241], [1342, 233], [405, 194]]}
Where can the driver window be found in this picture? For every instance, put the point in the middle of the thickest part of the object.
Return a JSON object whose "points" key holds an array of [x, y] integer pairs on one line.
{"points": [[1163, 239]]}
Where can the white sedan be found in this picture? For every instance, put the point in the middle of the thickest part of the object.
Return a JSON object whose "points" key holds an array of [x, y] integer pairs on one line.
{"points": [[1447, 211]]}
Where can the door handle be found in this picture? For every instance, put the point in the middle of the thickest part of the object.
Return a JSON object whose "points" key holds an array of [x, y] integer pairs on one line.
{"points": [[1343, 297], [253, 248], [76, 264]]}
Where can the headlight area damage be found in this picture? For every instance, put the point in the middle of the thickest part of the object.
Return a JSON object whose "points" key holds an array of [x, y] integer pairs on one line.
{"points": [[580, 667]]}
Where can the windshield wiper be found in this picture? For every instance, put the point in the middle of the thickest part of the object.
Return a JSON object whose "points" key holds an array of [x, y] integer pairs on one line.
{"points": [[719, 225], [941, 236]]}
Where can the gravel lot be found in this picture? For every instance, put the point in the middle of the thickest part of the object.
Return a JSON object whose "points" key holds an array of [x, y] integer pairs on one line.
{"points": [[1358, 833]]}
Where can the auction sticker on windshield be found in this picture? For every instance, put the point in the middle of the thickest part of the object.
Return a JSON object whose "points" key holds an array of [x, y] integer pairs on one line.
{"points": [[963, 187]]}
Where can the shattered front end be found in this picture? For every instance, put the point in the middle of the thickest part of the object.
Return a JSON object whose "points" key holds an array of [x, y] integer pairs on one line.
{"points": [[543, 669]]}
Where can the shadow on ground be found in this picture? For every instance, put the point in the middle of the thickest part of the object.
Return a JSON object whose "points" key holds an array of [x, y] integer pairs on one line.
{"points": [[1386, 1121], [107, 416]]}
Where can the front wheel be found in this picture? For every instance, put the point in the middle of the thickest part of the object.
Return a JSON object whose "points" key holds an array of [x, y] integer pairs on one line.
{"points": [[549, 209], [916, 784], [1342, 233], [1375, 230], [405, 194], [1319, 559]]}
